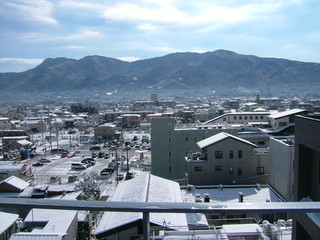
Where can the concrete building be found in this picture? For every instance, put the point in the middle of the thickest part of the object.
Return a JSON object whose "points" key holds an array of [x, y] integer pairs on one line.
{"points": [[227, 159], [171, 144], [307, 175], [281, 166], [8, 225]]}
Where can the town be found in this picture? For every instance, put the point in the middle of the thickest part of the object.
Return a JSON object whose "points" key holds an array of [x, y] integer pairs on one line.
{"points": [[174, 150]]}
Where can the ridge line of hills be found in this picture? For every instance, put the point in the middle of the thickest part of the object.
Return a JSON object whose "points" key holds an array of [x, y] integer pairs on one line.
{"points": [[223, 72]]}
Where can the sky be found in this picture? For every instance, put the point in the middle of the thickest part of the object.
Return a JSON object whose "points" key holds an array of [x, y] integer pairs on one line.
{"points": [[33, 30]]}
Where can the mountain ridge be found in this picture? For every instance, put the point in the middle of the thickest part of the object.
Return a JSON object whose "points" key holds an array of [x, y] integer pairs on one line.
{"points": [[221, 71]]}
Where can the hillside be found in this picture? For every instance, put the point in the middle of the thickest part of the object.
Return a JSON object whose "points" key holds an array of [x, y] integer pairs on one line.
{"points": [[222, 71]]}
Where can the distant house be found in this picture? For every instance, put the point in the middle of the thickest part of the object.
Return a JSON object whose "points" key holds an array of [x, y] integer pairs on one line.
{"points": [[13, 184], [8, 169], [145, 188], [106, 132], [227, 159]]}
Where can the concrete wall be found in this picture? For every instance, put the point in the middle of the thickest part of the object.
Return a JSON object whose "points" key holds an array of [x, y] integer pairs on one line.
{"points": [[281, 167]]}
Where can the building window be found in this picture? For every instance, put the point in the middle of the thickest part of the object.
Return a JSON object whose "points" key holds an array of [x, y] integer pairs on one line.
{"points": [[230, 154], [235, 117], [256, 117], [195, 139], [240, 154], [187, 139], [239, 170], [230, 170], [260, 170], [251, 117], [261, 117], [169, 154], [198, 168], [260, 143], [169, 139], [169, 169], [218, 154], [224, 119], [169, 125], [240, 117], [245, 117], [219, 168]]}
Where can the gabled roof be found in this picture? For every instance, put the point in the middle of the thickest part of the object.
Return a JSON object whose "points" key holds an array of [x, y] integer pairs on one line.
{"points": [[14, 182], [286, 113], [220, 137], [145, 188]]}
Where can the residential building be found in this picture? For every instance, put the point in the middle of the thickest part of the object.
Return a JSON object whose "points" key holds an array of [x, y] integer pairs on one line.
{"points": [[282, 119], [106, 132], [171, 144], [281, 158], [307, 174], [259, 119], [227, 159]]}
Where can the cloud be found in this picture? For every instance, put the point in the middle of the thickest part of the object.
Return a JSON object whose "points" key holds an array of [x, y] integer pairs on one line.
{"points": [[40, 37], [31, 61], [128, 59], [32, 10]]}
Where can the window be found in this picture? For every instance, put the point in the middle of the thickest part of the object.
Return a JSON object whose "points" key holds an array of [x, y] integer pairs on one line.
{"points": [[187, 139], [240, 154], [198, 168], [251, 117], [230, 170], [169, 154], [230, 154], [260, 143], [195, 139], [224, 119], [219, 168], [261, 117], [240, 117], [169, 139], [260, 170], [256, 117], [218, 154], [239, 170], [245, 117], [235, 117]]}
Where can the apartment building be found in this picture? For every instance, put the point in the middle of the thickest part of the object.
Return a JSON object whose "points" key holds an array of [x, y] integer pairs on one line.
{"points": [[307, 174], [171, 144], [227, 159]]}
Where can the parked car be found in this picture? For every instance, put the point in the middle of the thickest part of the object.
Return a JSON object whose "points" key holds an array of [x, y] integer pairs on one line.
{"points": [[101, 155], [93, 154], [64, 154], [120, 177], [129, 175], [89, 161], [96, 147], [37, 164], [78, 166], [45, 160], [107, 172], [71, 154]]}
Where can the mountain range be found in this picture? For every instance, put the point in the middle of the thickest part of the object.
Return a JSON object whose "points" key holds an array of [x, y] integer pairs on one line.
{"points": [[221, 72]]}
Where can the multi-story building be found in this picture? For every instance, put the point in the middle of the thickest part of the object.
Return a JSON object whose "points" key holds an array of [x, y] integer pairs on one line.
{"points": [[227, 159], [307, 174], [171, 144]]}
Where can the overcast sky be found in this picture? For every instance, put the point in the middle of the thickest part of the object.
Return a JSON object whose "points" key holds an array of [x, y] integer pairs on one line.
{"points": [[32, 30]]}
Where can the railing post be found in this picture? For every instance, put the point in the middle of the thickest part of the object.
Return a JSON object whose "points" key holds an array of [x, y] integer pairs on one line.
{"points": [[146, 225]]}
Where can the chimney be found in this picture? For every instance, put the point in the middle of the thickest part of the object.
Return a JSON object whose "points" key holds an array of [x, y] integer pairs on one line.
{"points": [[240, 197]]}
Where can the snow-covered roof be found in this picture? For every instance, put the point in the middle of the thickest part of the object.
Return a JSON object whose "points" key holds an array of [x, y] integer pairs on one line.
{"points": [[15, 182], [145, 188], [24, 142], [220, 137], [37, 236], [58, 221], [9, 220], [251, 228], [286, 113]]}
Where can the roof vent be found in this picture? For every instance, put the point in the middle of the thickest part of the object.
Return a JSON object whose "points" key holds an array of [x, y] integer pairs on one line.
{"points": [[221, 187], [258, 187], [240, 197]]}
